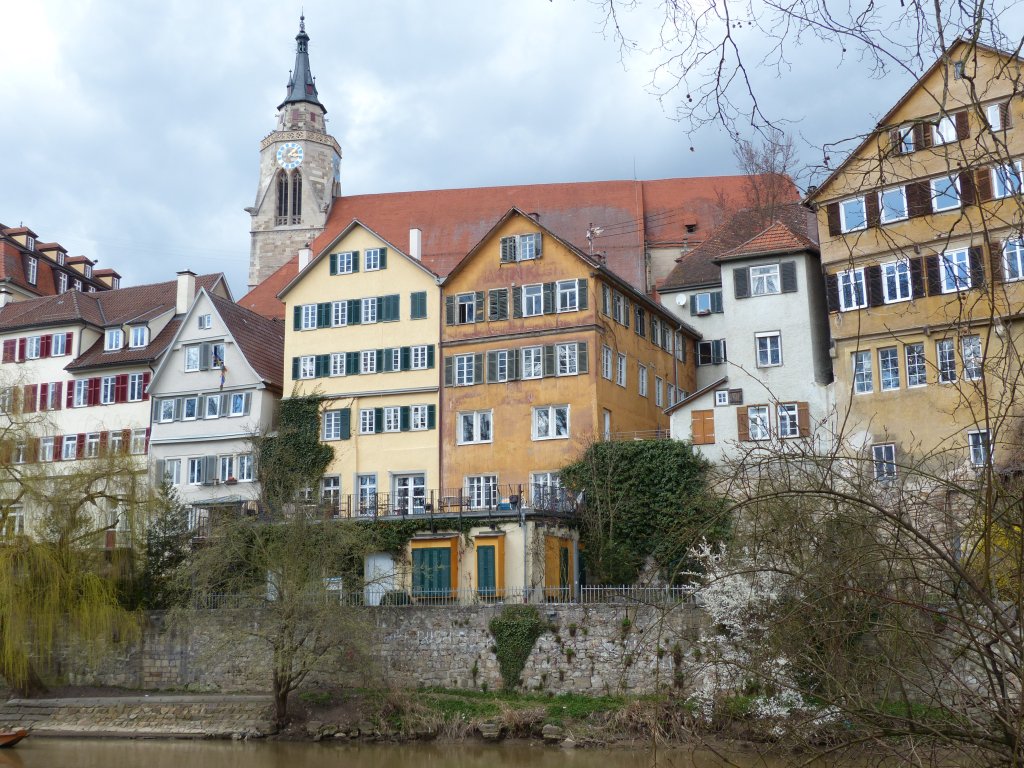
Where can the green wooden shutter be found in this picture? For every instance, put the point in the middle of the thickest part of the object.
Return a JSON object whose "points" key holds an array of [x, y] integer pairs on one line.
{"points": [[394, 311], [418, 305], [716, 301], [404, 418], [508, 249], [517, 302], [549, 360], [549, 298], [383, 258], [378, 420], [419, 571], [581, 289], [334, 263], [354, 309], [485, 573], [346, 423], [492, 366], [297, 314], [380, 359], [405, 358], [478, 310], [323, 315], [582, 358], [513, 364], [295, 368], [449, 310], [351, 363], [430, 356], [355, 261], [431, 416], [478, 368], [386, 367], [323, 365], [449, 372]]}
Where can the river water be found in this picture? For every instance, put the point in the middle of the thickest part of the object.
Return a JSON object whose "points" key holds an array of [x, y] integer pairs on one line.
{"points": [[41, 752]]}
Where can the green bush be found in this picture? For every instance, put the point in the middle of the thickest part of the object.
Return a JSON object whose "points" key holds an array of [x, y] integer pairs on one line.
{"points": [[515, 631]]}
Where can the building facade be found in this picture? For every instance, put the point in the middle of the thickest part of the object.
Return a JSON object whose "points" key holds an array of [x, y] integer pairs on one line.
{"points": [[30, 268]]}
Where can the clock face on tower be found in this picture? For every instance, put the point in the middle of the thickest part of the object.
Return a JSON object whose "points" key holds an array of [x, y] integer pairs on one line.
{"points": [[289, 155]]}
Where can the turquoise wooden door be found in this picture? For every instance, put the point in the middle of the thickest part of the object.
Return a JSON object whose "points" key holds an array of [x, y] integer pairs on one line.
{"points": [[486, 577], [431, 572]]}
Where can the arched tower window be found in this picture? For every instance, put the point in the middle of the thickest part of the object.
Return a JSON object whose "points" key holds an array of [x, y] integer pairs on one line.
{"points": [[282, 198], [296, 197]]}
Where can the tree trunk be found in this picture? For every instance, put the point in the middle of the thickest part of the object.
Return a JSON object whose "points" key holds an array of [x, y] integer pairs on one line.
{"points": [[280, 702], [27, 687]]}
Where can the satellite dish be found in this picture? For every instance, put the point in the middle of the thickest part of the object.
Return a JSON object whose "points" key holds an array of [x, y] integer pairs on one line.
{"points": [[681, 299]]}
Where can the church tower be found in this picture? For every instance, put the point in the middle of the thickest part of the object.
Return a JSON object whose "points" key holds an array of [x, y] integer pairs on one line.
{"points": [[299, 173]]}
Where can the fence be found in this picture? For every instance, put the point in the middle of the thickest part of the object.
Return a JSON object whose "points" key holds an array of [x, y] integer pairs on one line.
{"points": [[583, 595]]}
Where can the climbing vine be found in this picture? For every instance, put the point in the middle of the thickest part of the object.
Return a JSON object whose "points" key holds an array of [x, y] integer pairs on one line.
{"points": [[515, 631], [293, 457]]}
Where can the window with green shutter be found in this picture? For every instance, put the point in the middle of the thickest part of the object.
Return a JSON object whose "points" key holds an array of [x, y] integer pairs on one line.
{"points": [[418, 305]]}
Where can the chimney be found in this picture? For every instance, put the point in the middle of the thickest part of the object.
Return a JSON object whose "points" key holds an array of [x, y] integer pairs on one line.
{"points": [[186, 290], [305, 254], [416, 244]]}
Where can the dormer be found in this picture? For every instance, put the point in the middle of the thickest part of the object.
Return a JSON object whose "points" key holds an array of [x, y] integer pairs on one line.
{"points": [[113, 339], [138, 336], [23, 236], [108, 277], [82, 265], [55, 252]]}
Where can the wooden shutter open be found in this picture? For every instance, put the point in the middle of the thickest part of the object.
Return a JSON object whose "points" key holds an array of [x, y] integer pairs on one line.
{"points": [[983, 184], [995, 260], [876, 294], [976, 260], [963, 125], [931, 268], [835, 226], [803, 419], [787, 273], [742, 423], [741, 282], [871, 209], [832, 292], [917, 287]]}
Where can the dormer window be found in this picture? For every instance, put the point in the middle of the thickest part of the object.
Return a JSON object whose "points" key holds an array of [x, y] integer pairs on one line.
{"points": [[62, 282], [78, 284], [30, 242], [32, 270], [115, 282], [60, 258], [88, 271], [139, 336], [113, 340], [521, 247]]}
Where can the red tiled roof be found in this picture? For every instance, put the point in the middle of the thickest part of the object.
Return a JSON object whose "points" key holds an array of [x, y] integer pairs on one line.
{"points": [[699, 266], [260, 339], [775, 239], [631, 214]]}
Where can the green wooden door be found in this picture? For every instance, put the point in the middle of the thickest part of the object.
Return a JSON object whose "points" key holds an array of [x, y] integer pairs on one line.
{"points": [[431, 572], [486, 578]]}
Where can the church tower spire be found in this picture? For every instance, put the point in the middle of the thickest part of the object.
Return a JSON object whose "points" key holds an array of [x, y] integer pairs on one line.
{"points": [[299, 173]]}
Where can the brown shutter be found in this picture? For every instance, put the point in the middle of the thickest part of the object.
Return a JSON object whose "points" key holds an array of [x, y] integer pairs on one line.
{"points": [[894, 141], [919, 199], [697, 428], [976, 260], [917, 278], [871, 207], [963, 125], [919, 133], [983, 184], [995, 260], [873, 275], [931, 268], [835, 227], [1004, 114], [742, 423], [968, 195], [803, 419], [832, 292]]}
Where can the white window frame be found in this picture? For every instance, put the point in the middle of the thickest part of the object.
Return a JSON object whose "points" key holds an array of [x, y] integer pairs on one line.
{"points": [[888, 369], [187, 404], [193, 355], [464, 370], [847, 209], [1007, 179], [945, 360], [863, 376], [533, 300], [641, 379], [480, 424], [58, 345], [979, 443], [368, 310], [245, 469], [205, 322], [330, 428], [138, 441], [899, 273], [344, 262], [566, 359], [482, 491], [567, 296], [367, 421], [392, 418], [418, 357], [166, 413], [955, 270], [948, 182], [33, 347], [905, 139], [768, 355], [721, 397], [851, 281], [971, 354], [81, 397], [620, 369], [550, 414], [917, 368], [532, 363], [368, 361], [338, 364], [994, 116], [69, 448], [765, 280], [308, 317], [307, 367], [195, 470], [226, 467], [883, 461], [758, 425], [46, 447], [237, 404], [788, 415], [113, 339], [944, 131], [659, 384], [339, 314], [172, 471], [419, 417], [371, 260], [606, 362], [139, 337], [1013, 253], [902, 214], [211, 409], [465, 308]]}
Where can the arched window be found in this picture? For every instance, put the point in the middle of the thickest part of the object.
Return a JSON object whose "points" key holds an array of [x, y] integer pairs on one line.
{"points": [[296, 198], [282, 198]]}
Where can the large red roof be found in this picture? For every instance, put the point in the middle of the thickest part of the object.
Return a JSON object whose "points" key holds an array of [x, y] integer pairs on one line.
{"points": [[632, 215]]}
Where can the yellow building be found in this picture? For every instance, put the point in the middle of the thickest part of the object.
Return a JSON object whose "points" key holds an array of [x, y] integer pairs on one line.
{"points": [[545, 351], [921, 244], [362, 331]]}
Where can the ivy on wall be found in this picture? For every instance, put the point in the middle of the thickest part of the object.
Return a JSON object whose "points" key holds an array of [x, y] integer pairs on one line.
{"points": [[515, 631], [292, 457]]}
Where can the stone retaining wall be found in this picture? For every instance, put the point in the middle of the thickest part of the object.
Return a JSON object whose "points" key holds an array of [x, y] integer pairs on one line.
{"points": [[141, 716], [589, 649]]}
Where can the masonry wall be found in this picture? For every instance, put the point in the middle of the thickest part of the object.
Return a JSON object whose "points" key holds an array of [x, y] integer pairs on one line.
{"points": [[590, 649]]}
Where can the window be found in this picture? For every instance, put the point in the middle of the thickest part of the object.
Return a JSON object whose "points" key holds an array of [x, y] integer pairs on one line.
{"points": [[195, 471], [892, 205], [482, 491], [392, 419], [69, 447], [369, 310], [757, 422], [916, 371], [641, 378], [77, 284], [192, 358], [332, 426], [330, 490], [568, 295], [946, 357], [851, 289], [1013, 260], [769, 349], [217, 355], [1006, 180], [889, 368], [59, 345], [550, 422], [789, 421], [606, 362], [702, 304], [568, 361], [115, 442], [205, 322], [238, 404], [956, 270], [339, 313], [368, 361], [308, 317], [862, 380], [372, 260], [980, 444], [852, 215], [711, 352], [764, 280], [367, 421], [190, 410], [139, 336], [81, 396], [245, 468], [418, 305], [418, 357], [721, 397], [617, 308], [474, 427], [114, 339], [896, 281], [945, 193], [996, 115], [344, 263], [227, 468], [92, 445], [970, 350], [338, 364], [419, 417], [533, 300], [172, 472], [465, 308], [944, 131], [533, 363], [498, 364], [905, 139], [166, 411], [46, 449], [307, 366], [884, 461], [33, 347], [465, 370], [640, 321], [521, 247], [620, 370], [658, 386], [212, 406], [62, 282], [32, 272]]}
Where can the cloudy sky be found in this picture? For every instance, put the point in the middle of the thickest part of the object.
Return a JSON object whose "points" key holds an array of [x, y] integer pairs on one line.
{"points": [[132, 129]]}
